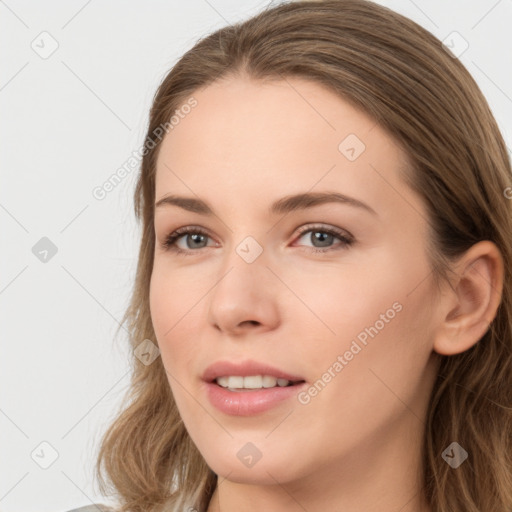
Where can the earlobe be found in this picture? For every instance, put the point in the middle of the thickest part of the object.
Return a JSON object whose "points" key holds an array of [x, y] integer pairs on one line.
{"points": [[470, 306]]}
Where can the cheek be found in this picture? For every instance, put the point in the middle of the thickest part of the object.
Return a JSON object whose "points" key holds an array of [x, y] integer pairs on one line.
{"points": [[340, 301], [364, 311], [172, 314], [175, 312], [382, 337]]}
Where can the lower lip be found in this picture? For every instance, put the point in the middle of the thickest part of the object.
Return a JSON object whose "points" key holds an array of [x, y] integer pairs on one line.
{"points": [[249, 402]]}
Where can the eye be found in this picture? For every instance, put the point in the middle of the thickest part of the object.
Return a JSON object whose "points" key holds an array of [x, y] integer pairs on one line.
{"points": [[196, 235], [327, 234], [197, 238]]}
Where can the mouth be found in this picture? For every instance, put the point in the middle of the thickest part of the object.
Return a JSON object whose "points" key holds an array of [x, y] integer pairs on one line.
{"points": [[240, 383], [250, 395], [249, 387], [248, 374]]}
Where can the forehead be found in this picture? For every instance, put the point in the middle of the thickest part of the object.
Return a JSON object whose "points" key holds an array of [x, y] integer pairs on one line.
{"points": [[247, 140]]}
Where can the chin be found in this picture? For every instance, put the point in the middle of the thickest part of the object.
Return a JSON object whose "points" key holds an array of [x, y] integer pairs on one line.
{"points": [[265, 471], [253, 476]]}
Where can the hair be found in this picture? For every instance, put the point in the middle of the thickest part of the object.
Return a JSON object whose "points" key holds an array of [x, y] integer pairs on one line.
{"points": [[399, 74]]}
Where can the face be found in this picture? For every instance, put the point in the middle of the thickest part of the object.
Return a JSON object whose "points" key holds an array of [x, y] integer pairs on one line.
{"points": [[337, 293]]}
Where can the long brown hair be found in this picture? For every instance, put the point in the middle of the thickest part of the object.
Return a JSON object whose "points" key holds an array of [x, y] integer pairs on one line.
{"points": [[398, 73]]}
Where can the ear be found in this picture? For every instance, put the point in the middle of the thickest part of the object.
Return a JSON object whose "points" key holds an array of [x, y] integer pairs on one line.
{"points": [[470, 305]]}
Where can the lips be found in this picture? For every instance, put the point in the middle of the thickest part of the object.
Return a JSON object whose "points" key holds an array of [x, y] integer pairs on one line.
{"points": [[245, 369]]}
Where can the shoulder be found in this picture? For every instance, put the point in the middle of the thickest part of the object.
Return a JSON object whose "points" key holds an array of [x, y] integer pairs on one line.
{"points": [[95, 507]]}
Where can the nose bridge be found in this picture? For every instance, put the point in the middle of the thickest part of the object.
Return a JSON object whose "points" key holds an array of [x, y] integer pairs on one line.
{"points": [[245, 265], [244, 292], [249, 250]]}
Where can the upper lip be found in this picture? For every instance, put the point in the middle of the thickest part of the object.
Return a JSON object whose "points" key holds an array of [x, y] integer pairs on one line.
{"points": [[244, 369]]}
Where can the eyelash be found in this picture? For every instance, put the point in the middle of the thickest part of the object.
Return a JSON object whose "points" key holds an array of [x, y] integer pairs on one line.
{"points": [[169, 243]]}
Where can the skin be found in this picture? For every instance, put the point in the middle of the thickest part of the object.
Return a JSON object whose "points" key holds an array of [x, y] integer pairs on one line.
{"points": [[356, 445]]}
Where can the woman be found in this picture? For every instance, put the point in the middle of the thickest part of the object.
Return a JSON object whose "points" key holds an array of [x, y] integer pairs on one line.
{"points": [[325, 270]]}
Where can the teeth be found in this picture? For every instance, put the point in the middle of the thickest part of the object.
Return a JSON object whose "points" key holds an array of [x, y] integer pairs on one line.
{"points": [[251, 382]]}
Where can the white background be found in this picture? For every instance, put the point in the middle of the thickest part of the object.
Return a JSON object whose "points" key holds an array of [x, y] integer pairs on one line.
{"points": [[68, 123]]}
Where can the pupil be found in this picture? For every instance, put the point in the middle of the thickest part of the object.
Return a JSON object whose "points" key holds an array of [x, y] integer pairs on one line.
{"points": [[196, 236], [322, 238]]}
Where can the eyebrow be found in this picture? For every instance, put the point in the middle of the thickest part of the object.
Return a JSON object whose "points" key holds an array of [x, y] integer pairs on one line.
{"points": [[284, 205]]}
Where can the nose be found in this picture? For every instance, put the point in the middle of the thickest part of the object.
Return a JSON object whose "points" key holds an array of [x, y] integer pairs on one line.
{"points": [[245, 298]]}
